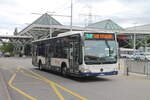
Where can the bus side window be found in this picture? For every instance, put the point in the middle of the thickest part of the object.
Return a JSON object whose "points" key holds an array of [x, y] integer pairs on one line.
{"points": [[64, 51], [41, 50], [57, 49], [50, 51], [64, 48]]}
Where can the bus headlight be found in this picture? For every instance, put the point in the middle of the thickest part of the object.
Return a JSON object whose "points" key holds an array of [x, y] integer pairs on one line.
{"points": [[85, 70]]}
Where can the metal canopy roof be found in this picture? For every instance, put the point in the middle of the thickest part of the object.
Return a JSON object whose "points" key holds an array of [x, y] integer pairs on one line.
{"points": [[14, 37], [44, 25], [105, 24], [141, 28], [112, 26], [46, 19], [31, 30]]}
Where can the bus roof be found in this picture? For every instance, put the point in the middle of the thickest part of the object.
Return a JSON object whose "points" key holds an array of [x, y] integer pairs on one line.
{"points": [[71, 33], [80, 32]]}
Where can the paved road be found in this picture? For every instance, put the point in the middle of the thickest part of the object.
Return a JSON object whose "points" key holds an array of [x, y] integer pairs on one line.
{"points": [[19, 80]]}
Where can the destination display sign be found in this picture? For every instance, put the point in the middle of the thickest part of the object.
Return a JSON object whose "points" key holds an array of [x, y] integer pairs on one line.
{"points": [[98, 36]]}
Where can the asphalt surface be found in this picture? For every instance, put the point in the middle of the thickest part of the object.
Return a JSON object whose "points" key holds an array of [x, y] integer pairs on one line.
{"points": [[19, 80]]}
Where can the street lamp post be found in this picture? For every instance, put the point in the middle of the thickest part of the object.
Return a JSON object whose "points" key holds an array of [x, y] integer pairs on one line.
{"points": [[134, 40], [71, 16]]}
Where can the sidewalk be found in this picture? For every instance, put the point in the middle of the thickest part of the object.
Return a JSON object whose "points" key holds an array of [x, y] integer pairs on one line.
{"points": [[139, 75]]}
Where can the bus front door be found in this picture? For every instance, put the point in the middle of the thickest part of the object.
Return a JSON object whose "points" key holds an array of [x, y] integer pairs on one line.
{"points": [[73, 58]]}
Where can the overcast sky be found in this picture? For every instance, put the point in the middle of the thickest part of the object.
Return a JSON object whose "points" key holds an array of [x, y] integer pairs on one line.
{"points": [[126, 13]]}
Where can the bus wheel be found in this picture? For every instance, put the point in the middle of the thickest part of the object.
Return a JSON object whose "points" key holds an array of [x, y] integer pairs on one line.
{"points": [[64, 71], [40, 65]]}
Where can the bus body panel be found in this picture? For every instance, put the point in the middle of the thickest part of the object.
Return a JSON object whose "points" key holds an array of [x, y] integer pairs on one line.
{"points": [[96, 70], [58, 61], [101, 68]]}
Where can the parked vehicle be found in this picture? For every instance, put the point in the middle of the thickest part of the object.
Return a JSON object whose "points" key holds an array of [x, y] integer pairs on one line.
{"points": [[7, 54], [141, 56], [147, 56], [135, 57]]}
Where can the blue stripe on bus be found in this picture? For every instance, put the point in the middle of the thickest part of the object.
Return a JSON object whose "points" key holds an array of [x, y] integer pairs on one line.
{"points": [[98, 74]]}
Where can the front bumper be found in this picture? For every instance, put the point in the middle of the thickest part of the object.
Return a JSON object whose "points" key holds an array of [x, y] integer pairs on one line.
{"points": [[99, 74]]}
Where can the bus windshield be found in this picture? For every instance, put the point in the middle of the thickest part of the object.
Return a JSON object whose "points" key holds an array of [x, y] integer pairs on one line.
{"points": [[100, 52]]}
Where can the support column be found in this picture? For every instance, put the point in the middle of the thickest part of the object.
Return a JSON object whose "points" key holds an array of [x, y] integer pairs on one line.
{"points": [[22, 51], [134, 43], [145, 45]]}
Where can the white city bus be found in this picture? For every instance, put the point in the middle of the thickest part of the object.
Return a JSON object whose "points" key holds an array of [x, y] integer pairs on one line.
{"points": [[77, 53]]}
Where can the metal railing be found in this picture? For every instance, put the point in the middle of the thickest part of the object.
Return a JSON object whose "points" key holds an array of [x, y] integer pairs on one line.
{"points": [[136, 66]]}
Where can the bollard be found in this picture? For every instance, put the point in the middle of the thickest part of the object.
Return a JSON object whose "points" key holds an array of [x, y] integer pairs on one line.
{"points": [[127, 71], [147, 66]]}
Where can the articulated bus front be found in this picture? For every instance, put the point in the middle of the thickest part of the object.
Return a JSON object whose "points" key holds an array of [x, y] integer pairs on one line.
{"points": [[100, 53]]}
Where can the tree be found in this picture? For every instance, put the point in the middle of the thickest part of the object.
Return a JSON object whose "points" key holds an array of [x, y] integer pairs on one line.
{"points": [[7, 48]]}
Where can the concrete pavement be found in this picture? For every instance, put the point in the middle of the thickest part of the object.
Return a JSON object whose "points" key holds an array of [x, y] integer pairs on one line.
{"points": [[26, 82], [4, 91]]}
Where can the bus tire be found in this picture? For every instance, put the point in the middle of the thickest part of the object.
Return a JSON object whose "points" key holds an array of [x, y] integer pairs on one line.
{"points": [[40, 65], [64, 70]]}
